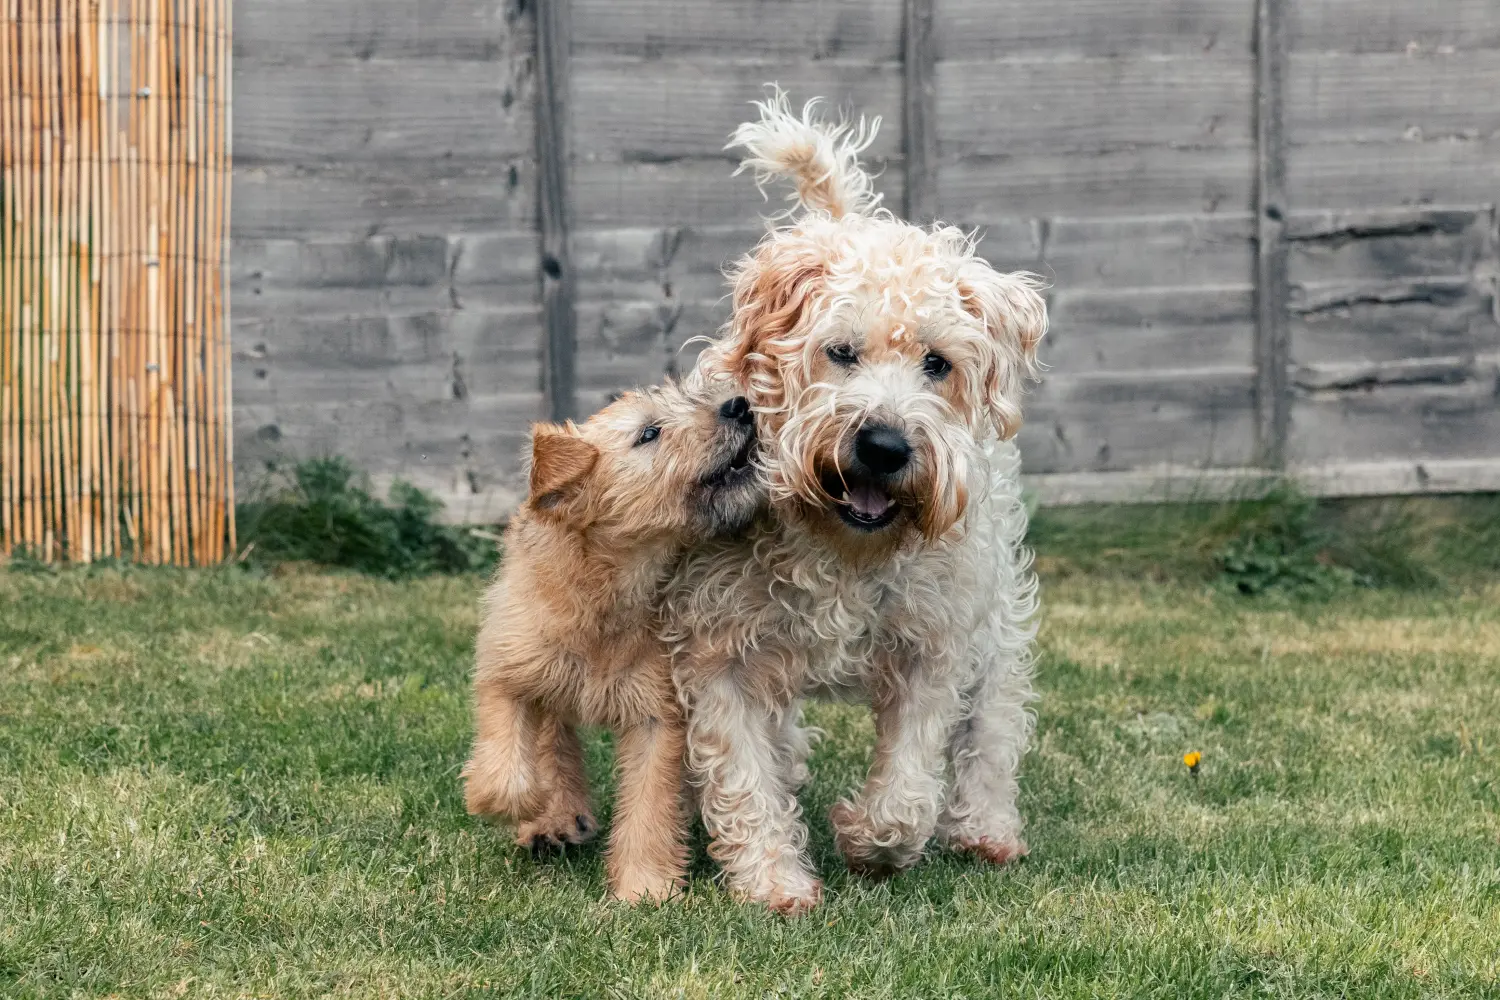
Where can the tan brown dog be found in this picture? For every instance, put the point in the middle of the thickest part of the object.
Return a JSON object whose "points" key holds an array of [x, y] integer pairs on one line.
{"points": [[569, 634]]}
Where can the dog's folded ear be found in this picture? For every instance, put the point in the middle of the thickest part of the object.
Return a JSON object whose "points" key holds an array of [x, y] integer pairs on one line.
{"points": [[1014, 315], [560, 462]]}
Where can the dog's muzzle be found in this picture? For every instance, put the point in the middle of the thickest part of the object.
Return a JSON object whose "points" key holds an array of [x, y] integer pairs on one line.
{"points": [[863, 490]]}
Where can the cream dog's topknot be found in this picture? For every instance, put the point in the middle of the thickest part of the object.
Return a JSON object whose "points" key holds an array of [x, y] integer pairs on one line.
{"points": [[821, 158]]}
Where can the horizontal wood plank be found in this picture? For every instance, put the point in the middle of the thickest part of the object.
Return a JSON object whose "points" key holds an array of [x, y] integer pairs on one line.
{"points": [[1378, 245], [276, 32], [1133, 182], [1393, 320], [1441, 420], [1347, 175], [1392, 25], [1202, 417], [978, 29], [1167, 484], [695, 192], [644, 110], [816, 29], [1110, 330], [994, 107], [1393, 97], [355, 110], [410, 198]]}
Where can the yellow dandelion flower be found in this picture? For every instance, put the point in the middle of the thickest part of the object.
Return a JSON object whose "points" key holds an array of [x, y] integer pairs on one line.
{"points": [[1192, 759]]}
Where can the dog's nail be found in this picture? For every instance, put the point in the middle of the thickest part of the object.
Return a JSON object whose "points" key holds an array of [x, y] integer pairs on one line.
{"points": [[539, 846], [583, 823]]}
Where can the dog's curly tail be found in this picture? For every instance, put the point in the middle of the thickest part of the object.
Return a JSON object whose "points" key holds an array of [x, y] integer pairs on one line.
{"points": [[821, 158]]}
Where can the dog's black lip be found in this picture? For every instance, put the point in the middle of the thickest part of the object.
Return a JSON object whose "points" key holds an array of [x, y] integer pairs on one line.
{"points": [[834, 482]]}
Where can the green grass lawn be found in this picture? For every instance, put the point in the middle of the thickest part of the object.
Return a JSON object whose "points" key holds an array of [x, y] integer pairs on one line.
{"points": [[236, 783]]}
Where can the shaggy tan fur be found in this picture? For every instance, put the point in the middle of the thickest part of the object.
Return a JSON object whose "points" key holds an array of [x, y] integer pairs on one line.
{"points": [[569, 632]]}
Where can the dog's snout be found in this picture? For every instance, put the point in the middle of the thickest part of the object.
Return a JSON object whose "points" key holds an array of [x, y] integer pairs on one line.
{"points": [[881, 449], [737, 411]]}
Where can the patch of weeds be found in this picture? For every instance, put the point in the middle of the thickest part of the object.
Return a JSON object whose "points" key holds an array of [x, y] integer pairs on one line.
{"points": [[23, 560], [1277, 545], [326, 514]]}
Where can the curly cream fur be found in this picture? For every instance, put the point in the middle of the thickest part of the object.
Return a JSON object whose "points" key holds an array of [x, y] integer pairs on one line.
{"points": [[930, 619]]}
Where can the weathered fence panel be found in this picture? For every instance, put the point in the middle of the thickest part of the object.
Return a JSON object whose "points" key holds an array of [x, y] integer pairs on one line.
{"points": [[1270, 225]]}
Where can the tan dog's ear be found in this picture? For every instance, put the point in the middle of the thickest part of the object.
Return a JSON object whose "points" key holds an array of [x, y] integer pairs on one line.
{"points": [[772, 287], [560, 460], [1014, 315]]}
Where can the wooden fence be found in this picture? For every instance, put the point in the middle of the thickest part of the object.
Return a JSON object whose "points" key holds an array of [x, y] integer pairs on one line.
{"points": [[114, 368], [1270, 225]]}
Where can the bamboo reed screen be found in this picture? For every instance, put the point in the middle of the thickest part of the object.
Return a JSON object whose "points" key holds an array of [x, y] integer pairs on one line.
{"points": [[114, 361]]}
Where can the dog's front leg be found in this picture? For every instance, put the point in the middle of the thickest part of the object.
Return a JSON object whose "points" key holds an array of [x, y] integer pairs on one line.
{"points": [[647, 854], [885, 828], [749, 810], [981, 815], [505, 775]]}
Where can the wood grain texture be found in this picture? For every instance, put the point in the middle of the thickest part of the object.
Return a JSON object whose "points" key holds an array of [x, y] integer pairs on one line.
{"points": [[1376, 245], [1393, 97], [867, 30], [554, 212], [1127, 253], [979, 29], [919, 120], [1148, 329], [651, 111], [1432, 419], [280, 32], [1272, 347], [1174, 484], [1393, 25], [693, 192], [1197, 417], [1352, 175], [1009, 106], [404, 198], [1123, 182], [362, 111]]}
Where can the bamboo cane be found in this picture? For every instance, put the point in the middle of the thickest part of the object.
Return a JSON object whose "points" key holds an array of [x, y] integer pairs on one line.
{"points": [[9, 191], [66, 293], [26, 172]]}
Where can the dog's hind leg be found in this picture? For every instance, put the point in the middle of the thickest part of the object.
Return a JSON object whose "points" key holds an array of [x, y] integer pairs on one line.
{"points": [[504, 775], [750, 812], [885, 828]]}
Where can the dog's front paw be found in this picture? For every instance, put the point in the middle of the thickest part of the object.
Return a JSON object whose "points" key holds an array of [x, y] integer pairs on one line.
{"points": [[871, 851], [643, 886], [997, 851], [795, 901], [555, 830]]}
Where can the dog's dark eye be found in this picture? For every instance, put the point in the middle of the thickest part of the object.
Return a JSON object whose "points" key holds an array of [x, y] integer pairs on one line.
{"points": [[843, 355], [648, 434], [937, 366]]}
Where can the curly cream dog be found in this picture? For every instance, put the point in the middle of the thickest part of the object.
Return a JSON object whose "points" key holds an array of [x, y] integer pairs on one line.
{"points": [[885, 363], [570, 628]]}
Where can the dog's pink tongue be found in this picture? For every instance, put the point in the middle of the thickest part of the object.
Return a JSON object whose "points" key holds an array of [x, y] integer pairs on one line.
{"points": [[869, 501]]}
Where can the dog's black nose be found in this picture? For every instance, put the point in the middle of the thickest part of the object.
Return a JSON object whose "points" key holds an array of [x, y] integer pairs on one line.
{"points": [[737, 411], [881, 449]]}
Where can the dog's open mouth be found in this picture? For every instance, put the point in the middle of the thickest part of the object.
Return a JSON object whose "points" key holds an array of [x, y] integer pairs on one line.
{"points": [[861, 503]]}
